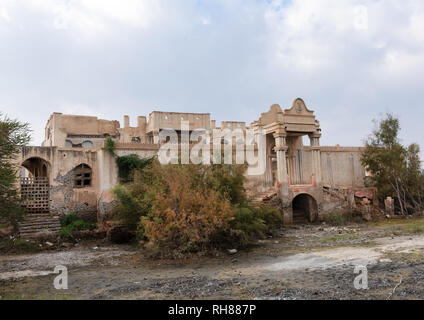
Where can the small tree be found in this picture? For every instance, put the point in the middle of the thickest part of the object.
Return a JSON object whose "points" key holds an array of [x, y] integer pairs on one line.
{"points": [[13, 135], [396, 170]]}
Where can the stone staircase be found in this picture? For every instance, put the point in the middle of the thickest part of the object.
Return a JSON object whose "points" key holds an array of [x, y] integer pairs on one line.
{"points": [[338, 193], [36, 224], [299, 217], [263, 198]]}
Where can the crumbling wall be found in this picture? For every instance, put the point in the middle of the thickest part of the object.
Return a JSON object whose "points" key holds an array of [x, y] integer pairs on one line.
{"points": [[66, 199]]}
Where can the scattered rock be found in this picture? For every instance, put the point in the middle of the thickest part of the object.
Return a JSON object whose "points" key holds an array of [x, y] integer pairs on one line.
{"points": [[385, 260], [49, 244], [67, 245], [232, 251]]}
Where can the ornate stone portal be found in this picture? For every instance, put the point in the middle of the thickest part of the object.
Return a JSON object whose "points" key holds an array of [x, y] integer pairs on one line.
{"points": [[287, 128]]}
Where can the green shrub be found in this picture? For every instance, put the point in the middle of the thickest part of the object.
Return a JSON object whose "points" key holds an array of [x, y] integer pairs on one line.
{"points": [[248, 222], [271, 217], [256, 222], [127, 209], [229, 181], [128, 164], [72, 222]]}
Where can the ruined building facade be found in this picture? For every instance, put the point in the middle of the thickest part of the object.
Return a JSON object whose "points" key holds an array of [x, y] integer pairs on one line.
{"points": [[72, 171]]}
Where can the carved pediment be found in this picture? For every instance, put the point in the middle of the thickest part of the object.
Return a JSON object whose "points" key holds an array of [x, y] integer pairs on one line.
{"points": [[299, 108], [275, 114], [299, 118]]}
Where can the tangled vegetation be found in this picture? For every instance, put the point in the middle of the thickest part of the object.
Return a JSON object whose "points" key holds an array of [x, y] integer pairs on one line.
{"points": [[128, 164], [179, 209], [73, 222], [396, 169], [13, 135]]}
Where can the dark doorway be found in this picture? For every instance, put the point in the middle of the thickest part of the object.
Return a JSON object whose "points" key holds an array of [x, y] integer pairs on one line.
{"points": [[305, 209]]}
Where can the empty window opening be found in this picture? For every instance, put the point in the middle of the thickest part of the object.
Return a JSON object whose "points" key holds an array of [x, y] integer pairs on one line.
{"points": [[82, 176]]}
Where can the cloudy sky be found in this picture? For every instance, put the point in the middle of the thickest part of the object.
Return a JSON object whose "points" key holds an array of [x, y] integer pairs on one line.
{"points": [[351, 61]]}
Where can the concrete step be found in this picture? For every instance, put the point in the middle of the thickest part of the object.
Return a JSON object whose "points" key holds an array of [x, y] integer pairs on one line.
{"points": [[27, 232], [26, 222], [30, 218], [27, 229], [32, 223], [39, 226], [39, 223]]}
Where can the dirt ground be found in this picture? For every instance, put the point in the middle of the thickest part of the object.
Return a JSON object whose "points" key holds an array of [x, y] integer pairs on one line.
{"points": [[304, 262]]}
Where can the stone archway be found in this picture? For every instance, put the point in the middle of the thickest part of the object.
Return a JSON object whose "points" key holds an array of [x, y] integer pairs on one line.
{"points": [[36, 167], [305, 209], [35, 185]]}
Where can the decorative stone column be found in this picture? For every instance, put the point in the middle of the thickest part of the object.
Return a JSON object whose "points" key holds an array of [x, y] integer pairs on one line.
{"points": [[316, 157], [283, 177], [281, 150]]}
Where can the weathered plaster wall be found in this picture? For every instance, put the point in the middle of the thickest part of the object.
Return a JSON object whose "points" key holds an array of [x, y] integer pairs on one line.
{"points": [[341, 166]]}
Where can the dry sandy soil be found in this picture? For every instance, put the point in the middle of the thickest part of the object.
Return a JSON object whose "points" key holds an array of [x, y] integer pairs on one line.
{"points": [[307, 262]]}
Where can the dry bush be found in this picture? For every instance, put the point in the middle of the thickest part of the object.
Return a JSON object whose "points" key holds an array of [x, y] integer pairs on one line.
{"points": [[183, 209]]}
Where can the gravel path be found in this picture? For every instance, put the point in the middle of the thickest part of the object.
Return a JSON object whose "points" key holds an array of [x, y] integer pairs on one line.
{"points": [[313, 262]]}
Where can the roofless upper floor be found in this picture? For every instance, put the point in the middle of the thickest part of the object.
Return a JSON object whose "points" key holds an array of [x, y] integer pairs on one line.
{"points": [[89, 131]]}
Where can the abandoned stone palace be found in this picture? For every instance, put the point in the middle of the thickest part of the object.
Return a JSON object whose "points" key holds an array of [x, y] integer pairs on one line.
{"points": [[73, 172]]}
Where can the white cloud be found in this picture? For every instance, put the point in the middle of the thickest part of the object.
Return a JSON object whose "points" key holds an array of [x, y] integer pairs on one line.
{"points": [[91, 17], [232, 58], [3, 13]]}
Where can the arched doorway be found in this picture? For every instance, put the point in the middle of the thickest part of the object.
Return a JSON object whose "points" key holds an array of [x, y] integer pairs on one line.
{"points": [[305, 209], [35, 185], [35, 168]]}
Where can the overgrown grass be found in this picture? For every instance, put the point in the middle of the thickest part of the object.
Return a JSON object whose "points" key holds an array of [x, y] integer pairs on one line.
{"points": [[398, 227], [414, 227], [74, 223], [338, 218]]}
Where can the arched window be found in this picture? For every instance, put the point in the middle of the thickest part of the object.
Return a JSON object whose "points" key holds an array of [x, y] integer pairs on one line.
{"points": [[82, 176], [87, 144]]}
